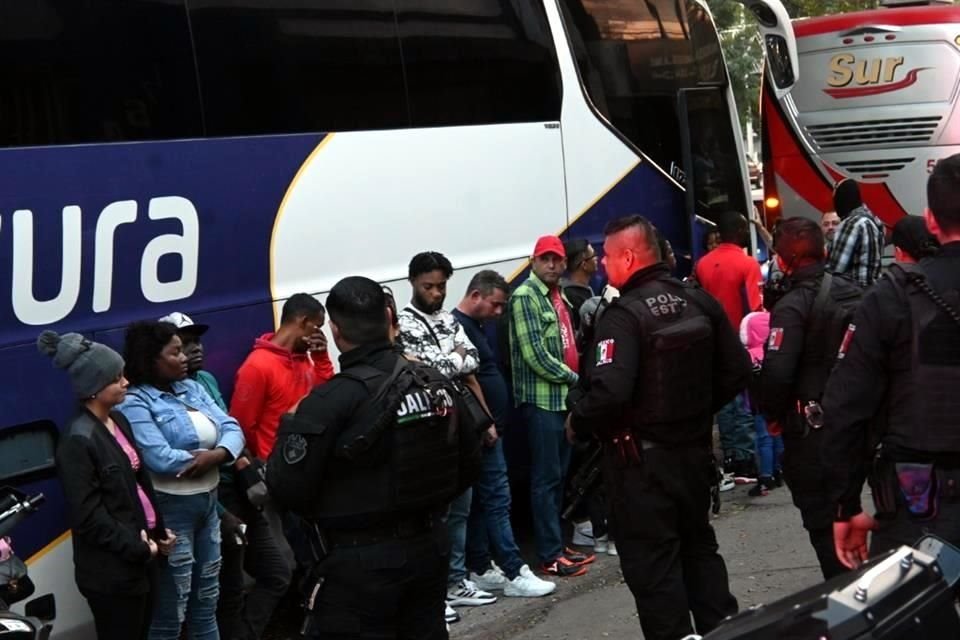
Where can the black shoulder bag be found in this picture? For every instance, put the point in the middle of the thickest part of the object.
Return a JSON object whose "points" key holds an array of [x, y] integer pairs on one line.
{"points": [[473, 416]]}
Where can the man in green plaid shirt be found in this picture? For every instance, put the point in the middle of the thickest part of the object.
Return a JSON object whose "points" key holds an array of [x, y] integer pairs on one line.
{"points": [[543, 356]]}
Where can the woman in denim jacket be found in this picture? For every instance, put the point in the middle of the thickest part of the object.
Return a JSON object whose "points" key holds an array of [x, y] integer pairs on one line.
{"points": [[185, 437]]}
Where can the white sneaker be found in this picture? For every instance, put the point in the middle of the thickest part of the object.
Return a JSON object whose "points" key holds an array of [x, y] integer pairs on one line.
{"points": [[527, 585], [583, 534], [612, 549], [466, 594], [727, 483], [603, 544], [492, 579], [451, 616]]}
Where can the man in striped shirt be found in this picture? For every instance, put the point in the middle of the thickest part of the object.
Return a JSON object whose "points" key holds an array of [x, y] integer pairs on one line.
{"points": [[544, 362], [857, 246]]}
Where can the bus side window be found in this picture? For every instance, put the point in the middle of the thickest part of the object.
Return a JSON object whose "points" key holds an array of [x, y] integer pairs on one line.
{"points": [[96, 71], [27, 452], [478, 62], [285, 66]]}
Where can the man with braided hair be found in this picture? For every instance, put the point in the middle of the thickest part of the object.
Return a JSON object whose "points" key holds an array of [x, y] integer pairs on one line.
{"points": [[899, 372]]}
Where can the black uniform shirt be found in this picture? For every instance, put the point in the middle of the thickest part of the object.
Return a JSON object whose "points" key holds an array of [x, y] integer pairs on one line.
{"points": [[856, 394], [609, 381], [298, 461]]}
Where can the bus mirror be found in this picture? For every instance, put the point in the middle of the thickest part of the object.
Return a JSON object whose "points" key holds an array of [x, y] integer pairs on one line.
{"points": [[779, 62], [780, 44]]}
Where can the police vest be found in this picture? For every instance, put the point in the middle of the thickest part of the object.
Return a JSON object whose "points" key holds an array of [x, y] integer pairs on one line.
{"points": [[930, 421], [673, 397], [402, 453], [832, 312]]}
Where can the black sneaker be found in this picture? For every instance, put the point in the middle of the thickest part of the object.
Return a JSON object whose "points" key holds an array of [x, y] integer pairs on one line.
{"points": [[762, 488], [563, 568], [778, 477]]}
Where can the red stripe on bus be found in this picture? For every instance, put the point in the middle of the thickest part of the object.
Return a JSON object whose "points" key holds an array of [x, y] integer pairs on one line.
{"points": [[791, 162], [859, 92], [904, 17]]}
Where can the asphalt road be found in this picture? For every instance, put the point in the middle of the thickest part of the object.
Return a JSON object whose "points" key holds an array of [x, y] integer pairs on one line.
{"points": [[767, 553]]}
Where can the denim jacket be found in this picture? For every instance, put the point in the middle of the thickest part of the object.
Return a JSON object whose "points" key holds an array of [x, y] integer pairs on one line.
{"points": [[166, 433]]}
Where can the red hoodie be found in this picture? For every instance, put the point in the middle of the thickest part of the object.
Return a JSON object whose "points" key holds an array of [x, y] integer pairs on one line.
{"points": [[271, 381]]}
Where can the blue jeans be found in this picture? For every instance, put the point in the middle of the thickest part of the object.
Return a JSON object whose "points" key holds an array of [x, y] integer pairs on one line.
{"points": [[188, 584], [457, 528], [489, 523], [769, 449], [736, 430], [549, 459]]}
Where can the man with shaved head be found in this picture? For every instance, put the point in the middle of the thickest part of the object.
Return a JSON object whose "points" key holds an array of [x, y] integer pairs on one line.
{"points": [[665, 358]]}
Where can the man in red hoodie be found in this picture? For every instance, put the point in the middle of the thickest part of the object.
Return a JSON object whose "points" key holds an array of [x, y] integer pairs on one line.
{"points": [[280, 371]]}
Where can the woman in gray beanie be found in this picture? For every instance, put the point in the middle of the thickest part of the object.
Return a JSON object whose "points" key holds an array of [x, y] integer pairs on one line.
{"points": [[117, 531]]}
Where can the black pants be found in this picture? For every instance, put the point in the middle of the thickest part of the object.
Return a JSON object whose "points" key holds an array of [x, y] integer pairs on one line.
{"points": [[393, 590], [804, 474], [243, 616], [121, 617], [668, 550]]}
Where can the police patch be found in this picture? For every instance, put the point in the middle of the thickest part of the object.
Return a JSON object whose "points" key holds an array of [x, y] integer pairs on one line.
{"points": [[294, 448], [847, 339], [605, 351], [775, 339]]}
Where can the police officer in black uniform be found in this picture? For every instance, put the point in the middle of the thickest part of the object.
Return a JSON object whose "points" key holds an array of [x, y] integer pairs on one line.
{"points": [[370, 460], [665, 359], [810, 310], [896, 393]]}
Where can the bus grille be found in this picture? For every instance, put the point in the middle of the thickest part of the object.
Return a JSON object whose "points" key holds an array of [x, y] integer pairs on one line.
{"points": [[874, 132], [874, 168]]}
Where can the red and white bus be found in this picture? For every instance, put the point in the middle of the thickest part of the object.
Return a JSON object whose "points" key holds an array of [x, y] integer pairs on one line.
{"points": [[874, 100]]}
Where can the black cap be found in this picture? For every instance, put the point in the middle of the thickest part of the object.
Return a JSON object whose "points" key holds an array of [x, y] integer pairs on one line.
{"points": [[910, 235]]}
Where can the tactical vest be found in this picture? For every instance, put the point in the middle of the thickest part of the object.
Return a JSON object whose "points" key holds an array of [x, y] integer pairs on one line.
{"points": [[832, 312], [403, 452], [674, 393], [930, 422]]}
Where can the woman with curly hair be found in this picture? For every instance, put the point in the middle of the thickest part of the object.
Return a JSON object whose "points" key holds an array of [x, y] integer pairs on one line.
{"points": [[185, 437]]}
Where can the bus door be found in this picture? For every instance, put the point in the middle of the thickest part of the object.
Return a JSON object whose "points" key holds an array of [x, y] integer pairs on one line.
{"points": [[712, 161]]}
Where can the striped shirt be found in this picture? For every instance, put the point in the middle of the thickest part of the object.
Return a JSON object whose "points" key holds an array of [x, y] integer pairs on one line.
{"points": [[540, 376], [857, 248]]}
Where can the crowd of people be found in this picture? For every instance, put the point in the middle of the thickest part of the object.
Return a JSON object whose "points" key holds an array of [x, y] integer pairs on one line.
{"points": [[178, 497]]}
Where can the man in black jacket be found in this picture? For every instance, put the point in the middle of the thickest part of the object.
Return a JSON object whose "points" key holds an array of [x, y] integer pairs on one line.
{"points": [[665, 359], [370, 461], [810, 311], [898, 386]]}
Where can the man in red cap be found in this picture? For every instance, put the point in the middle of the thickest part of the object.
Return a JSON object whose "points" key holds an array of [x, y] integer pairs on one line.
{"points": [[543, 356]]}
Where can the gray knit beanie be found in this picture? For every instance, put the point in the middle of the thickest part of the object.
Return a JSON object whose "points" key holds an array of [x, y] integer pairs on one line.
{"points": [[91, 365]]}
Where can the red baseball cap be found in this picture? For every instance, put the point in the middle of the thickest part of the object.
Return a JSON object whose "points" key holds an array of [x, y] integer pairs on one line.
{"points": [[549, 244]]}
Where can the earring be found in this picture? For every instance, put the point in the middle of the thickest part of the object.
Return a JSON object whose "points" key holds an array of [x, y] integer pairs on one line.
{"points": [[93, 397]]}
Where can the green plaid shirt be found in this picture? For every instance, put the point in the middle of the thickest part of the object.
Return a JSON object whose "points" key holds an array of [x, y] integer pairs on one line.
{"points": [[540, 376]]}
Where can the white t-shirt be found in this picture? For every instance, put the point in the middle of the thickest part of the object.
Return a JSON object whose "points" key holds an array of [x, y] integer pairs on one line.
{"points": [[207, 439]]}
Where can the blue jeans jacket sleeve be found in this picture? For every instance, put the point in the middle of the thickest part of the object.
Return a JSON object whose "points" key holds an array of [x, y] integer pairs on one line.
{"points": [[158, 455], [231, 437]]}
